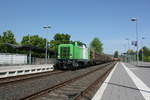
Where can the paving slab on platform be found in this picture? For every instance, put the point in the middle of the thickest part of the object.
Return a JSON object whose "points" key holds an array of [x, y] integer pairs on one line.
{"points": [[142, 72], [123, 84], [142, 64]]}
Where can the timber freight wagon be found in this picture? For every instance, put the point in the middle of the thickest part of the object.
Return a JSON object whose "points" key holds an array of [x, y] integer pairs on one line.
{"points": [[72, 56]]}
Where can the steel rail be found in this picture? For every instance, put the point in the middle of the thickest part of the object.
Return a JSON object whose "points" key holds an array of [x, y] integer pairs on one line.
{"points": [[21, 78], [35, 95], [91, 87]]}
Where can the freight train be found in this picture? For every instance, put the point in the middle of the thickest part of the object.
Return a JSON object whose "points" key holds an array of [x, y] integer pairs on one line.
{"points": [[77, 55]]}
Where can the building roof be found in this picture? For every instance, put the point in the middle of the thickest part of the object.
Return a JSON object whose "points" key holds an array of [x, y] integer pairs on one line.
{"points": [[28, 47]]}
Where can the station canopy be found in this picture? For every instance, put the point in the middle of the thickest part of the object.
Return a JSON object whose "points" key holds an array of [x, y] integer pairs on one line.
{"points": [[30, 47]]}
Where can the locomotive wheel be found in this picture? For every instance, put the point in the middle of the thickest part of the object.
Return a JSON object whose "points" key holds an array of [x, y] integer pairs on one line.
{"points": [[75, 65]]}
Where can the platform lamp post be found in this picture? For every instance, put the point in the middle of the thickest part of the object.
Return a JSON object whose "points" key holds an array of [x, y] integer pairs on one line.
{"points": [[142, 49], [30, 49], [46, 28], [136, 28], [125, 54], [128, 56]]}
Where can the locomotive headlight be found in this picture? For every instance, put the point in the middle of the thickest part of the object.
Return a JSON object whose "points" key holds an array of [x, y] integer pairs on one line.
{"points": [[70, 55]]}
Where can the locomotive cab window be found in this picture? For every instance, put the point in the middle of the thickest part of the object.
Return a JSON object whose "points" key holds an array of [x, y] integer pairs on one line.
{"points": [[65, 52]]}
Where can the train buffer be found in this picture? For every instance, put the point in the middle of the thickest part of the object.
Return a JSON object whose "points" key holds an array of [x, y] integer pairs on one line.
{"points": [[125, 82]]}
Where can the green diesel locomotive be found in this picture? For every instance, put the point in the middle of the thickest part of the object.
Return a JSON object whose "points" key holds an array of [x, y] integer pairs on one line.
{"points": [[72, 56], [77, 55]]}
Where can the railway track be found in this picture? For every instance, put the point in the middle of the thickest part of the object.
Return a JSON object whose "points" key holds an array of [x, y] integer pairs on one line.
{"points": [[7, 80], [75, 88], [85, 93], [32, 86]]}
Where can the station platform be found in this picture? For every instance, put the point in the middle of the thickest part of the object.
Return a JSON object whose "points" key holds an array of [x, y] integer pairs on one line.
{"points": [[141, 64], [125, 82], [8, 71]]}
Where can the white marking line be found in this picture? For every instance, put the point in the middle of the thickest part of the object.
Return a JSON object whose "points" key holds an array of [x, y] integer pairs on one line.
{"points": [[135, 68], [143, 88], [101, 90]]}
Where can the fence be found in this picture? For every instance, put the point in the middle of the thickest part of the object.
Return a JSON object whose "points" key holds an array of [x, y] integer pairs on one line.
{"points": [[24, 69], [42, 60], [22, 59], [16, 64], [12, 59]]}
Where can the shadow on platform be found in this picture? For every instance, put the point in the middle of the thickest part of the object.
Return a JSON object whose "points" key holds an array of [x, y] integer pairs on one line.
{"points": [[120, 85]]}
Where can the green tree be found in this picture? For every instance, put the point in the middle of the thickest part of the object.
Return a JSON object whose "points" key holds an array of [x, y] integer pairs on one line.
{"points": [[116, 54], [0, 39], [146, 53], [96, 45], [34, 40], [7, 37], [59, 38], [130, 52]]}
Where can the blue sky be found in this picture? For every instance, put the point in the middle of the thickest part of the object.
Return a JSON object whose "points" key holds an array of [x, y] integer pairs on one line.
{"points": [[108, 20]]}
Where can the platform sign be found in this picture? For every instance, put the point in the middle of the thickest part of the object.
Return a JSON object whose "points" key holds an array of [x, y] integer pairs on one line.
{"points": [[134, 43]]}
